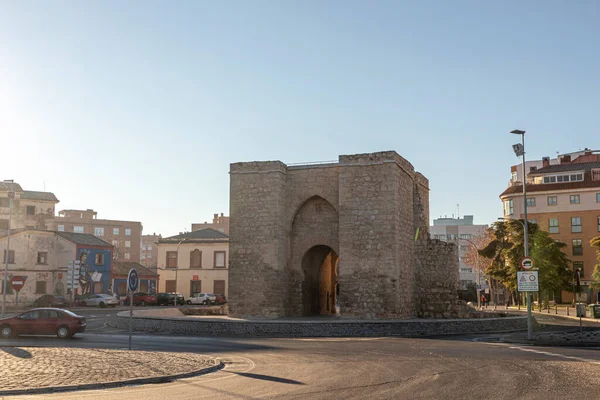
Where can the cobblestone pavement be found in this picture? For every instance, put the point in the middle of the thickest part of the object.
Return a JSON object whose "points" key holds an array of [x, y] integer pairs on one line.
{"points": [[34, 367]]}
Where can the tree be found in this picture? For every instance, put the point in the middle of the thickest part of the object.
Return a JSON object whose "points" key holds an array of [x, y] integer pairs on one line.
{"points": [[595, 242], [552, 263], [471, 254]]}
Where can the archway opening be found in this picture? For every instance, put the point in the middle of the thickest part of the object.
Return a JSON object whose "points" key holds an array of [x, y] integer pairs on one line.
{"points": [[320, 286]]}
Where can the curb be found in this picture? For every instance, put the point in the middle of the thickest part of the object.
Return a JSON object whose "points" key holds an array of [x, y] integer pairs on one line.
{"points": [[110, 385]]}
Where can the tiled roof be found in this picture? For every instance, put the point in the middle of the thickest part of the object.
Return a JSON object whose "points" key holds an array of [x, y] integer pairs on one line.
{"points": [[123, 267], [33, 195], [12, 186], [565, 168], [83, 239], [552, 187], [207, 233]]}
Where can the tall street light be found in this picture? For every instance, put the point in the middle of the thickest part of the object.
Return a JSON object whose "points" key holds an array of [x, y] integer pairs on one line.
{"points": [[476, 269], [11, 196], [519, 150]]}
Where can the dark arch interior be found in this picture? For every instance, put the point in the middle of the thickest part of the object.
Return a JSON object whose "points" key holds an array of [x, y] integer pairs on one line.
{"points": [[319, 288]]}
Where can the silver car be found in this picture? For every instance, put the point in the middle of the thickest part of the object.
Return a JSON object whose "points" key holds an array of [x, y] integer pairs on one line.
{"points": [[101, 300]]}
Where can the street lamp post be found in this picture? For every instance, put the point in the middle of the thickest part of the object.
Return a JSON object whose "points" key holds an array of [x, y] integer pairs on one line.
{"points": [[520, 151], [176, 270], [11, 195], [476, 269]]}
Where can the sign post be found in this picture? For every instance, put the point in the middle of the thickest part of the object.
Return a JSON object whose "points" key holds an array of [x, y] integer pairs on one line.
{"points": [[73, 278], [17, 283], [132, 284]]}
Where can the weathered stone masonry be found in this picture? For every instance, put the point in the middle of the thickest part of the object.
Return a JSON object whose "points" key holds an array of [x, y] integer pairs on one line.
{"points": [[357, 218]]}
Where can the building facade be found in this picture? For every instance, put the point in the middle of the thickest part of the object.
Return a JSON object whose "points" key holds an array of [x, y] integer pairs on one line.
{"points": [[148, 279], [564, 199], [30, 209], [42, 258], [149, 251], [452, 230], [124, 236], [219, 223], [194, 262]]}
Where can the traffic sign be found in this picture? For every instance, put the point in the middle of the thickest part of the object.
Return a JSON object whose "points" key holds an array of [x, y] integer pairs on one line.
{"points": [[17, 283], [527, 263], [527, 281], [133, 280]]}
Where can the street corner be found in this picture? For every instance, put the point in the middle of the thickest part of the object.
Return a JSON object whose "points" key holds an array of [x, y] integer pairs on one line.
{"points": [[38, 370]]}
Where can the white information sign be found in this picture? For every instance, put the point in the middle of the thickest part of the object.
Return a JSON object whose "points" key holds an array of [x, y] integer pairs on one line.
{"points": [[527, 281]]}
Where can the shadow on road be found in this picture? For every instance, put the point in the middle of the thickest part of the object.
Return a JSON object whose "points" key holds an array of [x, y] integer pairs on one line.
{"points": [[269, 378], [15, 351]]}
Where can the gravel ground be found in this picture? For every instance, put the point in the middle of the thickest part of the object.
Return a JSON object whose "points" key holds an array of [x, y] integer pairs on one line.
{"points": [[34, 367]]}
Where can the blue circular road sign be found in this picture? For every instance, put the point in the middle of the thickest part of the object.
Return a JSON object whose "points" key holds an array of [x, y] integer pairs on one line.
{"points": [[133, 280]]}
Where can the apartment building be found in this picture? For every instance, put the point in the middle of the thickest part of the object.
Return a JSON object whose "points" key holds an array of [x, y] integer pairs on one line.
{"points": [[149, 251], [194, 262], [125, 236], [563, 198], [453, 230], [219, 223], [30, 209]]}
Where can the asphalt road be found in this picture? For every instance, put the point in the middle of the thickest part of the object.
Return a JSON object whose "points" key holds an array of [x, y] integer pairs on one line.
{"points": [[382, 368]]}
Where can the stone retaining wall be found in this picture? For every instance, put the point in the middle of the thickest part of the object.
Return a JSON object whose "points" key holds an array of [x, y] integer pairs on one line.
{"points": [[408, 328]]}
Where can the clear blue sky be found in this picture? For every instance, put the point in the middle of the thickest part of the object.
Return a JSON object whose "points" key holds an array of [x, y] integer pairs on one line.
{"points": [[137, 108]]}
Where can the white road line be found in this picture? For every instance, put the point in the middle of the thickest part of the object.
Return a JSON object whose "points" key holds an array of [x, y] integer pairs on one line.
{"points": [[547, 353]]}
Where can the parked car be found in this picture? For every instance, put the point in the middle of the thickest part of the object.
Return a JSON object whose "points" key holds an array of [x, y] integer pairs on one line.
{"points": [[142, 299], [220, 299], [49, 300], [202, 298], [43, 321], [101, 300], [168, 299]]}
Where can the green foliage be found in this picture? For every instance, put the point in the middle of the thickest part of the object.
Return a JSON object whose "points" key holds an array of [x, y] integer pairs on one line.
{"points": [[596, 275], [507, 249]]}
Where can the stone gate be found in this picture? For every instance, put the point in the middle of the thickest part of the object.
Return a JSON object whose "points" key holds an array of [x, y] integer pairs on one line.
{"points": [[337, 238]]}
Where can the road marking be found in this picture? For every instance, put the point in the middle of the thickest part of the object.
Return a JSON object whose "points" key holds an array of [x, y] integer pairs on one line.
{"points": [[336, 339], [547, 353]]}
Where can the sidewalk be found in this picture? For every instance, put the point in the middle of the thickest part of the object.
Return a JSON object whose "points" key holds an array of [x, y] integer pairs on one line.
{"points": [[29, 370], [560, 311]]}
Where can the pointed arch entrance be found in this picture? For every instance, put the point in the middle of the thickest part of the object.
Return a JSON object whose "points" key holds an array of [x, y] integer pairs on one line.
{"points": [[319, 287]]}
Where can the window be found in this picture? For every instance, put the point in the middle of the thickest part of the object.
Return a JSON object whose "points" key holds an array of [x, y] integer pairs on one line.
{"points": [[513, 176], [78, 229], [127, 232], [552, 200], [30, 210], [577, 247], [531, 202], [42, 257], [170, 286], [451, 236], [578, 265], [99, 259], [532, 221], [40, 287], [219, 259], [195, 259], [143, 256], [574, 199], [465, 236], [195, 287], [115, 243], [553, 225], [127, 243], [171, 259], [11, 256], [219, 287], [98, 231], [439, 237], [61, 228], [127, 256], [115, 231], [576, 224], [596, 174], [508, 207]]}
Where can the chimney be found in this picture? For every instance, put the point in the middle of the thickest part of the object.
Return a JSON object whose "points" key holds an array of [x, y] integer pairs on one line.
{"points": [[531, 169], [545, 162], [566, 159], [222, 215], [587, 153], [215, 218]]}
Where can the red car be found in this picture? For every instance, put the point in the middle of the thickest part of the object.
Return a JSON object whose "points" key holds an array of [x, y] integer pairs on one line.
{"points": [[220, 299], [43, 321], [142, 299]]}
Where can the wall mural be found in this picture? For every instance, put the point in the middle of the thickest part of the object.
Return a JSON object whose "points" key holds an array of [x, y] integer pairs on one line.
{"points": [[85, 279]]}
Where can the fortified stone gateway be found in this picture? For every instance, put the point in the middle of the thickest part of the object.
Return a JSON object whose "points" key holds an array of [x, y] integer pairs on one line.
{"points": [[332, 238]]}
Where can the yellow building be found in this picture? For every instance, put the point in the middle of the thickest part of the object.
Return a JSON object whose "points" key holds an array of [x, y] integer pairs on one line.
{"points": [[194, 262]]}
